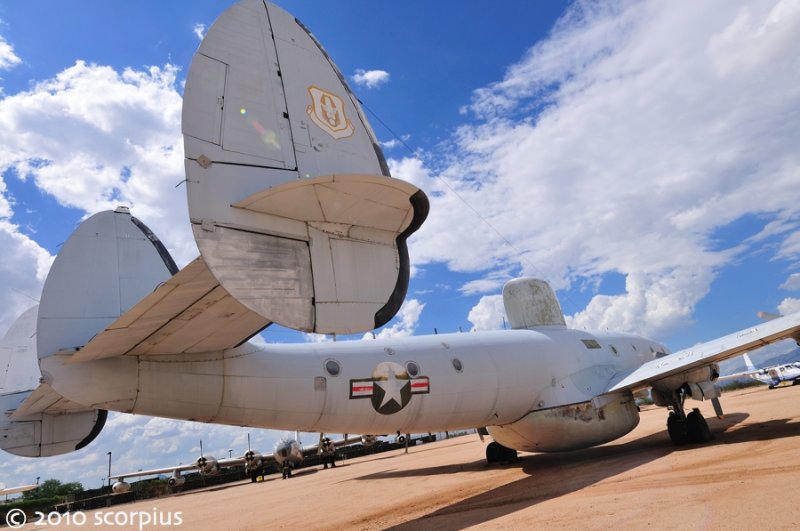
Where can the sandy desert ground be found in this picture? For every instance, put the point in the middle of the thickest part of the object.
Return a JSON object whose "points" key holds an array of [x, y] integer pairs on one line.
{"points": [[744, 479]]}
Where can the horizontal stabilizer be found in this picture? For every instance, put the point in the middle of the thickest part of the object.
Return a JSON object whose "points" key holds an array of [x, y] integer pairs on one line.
{"points": [[189, 313], [44, 399]]}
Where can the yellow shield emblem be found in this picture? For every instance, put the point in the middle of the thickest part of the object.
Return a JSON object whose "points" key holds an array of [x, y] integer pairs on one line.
{"points": [[327, 111]]}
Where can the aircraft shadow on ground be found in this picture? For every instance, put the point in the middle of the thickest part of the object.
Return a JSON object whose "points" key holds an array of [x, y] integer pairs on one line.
{"points": [[554, 475]]}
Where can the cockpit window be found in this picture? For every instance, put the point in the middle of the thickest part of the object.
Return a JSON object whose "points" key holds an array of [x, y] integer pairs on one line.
{"points": [[591, 343]]}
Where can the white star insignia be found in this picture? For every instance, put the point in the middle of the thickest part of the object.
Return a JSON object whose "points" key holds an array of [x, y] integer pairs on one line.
{"points": [[391, 387]]}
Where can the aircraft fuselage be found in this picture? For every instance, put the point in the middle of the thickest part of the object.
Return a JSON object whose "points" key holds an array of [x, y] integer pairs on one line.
{"points": [[414, 384]]}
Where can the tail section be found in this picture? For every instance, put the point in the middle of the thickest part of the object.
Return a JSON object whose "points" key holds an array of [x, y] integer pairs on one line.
{"points": [[749, 363], [108, 264], [37, 421], [290, 197]]}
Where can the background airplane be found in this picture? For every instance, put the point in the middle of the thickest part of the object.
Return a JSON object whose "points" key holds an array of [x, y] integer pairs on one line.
{"points": [[772, 375], [287, 449], [301, 225]]}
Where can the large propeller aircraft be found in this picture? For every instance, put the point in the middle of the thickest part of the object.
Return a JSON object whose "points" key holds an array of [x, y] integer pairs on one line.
{"points": [[286, 449], [299, 223]]}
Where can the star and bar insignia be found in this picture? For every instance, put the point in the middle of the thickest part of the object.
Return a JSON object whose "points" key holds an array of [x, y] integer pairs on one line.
{"points": [[390, 388]]}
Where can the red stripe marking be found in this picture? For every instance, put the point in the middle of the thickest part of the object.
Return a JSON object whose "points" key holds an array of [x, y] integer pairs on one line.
{"points": [[357, 388]]}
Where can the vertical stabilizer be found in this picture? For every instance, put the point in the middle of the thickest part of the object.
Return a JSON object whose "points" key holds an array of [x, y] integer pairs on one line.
{"points": [[749, 363], [107, 265], [290, 197], [36, 421]]}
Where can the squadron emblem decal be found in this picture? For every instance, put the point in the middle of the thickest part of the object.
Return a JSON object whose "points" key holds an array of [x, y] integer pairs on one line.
{"points": [[327, 111], [390, 388]]}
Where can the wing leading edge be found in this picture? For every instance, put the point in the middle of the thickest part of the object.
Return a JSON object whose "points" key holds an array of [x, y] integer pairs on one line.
{"points": [[704, 354]]}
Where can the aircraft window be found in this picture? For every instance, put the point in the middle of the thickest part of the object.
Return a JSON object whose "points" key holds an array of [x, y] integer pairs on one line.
{"points": [[457, 365], [591, 343], [332, 367], [614, 350], [634, 346], [412, 368]]}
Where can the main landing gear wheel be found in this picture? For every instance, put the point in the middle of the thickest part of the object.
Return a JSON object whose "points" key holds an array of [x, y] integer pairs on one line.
{"points": [[497, 453], [678, 429], [698, 427], [692, 428]]}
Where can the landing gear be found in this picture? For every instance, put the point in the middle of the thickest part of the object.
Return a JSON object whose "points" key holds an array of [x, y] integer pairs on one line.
{"points": [[678, 429], [497, 453], [698, 427], [683, 428]]}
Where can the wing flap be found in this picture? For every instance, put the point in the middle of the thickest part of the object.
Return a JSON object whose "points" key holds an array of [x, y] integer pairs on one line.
{"points": [[736, 344], [189, 313]]}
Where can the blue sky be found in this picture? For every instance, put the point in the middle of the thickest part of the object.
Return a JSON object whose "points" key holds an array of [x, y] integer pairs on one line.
{"points": [[642, 157]]}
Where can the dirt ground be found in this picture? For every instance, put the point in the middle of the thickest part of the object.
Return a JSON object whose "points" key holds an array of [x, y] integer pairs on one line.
{"points": [[744, 479]]}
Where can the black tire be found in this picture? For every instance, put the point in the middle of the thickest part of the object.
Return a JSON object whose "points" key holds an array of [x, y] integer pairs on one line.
{"points": [[494, 452], [509, 455], [677, 429], [697, 427]]}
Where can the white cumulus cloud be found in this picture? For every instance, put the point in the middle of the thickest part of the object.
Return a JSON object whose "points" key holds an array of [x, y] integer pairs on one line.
{"points": [[370, 78], [615, 147], [8, 59]]}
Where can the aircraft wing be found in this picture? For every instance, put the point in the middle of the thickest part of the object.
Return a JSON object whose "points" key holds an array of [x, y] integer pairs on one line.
{"points": [[188, 313], [156, 471], [703, 354], [734, 376], [14, 490], [338, 443], [222, 463]]}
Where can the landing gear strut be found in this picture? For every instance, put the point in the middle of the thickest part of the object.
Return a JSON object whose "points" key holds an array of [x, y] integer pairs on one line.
{"points": [[683, 428], [497, 453]]}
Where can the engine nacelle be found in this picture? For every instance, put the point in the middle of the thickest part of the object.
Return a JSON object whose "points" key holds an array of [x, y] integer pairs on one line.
{"points": [[400, 439], [369, 440], [120, 487], [176, 481], [207, 465], [564, 428], [252, 460], [699, 384]]}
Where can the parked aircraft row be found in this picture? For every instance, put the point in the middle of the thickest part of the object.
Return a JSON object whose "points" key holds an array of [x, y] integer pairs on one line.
{"points": [[287, 450], [298, 222]]}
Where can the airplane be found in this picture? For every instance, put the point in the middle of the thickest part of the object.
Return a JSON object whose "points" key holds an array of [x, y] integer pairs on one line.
{"points": [[6, 491], [205, 465], [772, 376], [299, 223], [286, 449], [290, 454]]}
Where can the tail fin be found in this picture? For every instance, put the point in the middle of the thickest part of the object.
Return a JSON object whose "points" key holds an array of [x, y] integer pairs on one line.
{"points": [[37, 422], [110, 262], [290, 197], [107, 265], [748, 363]]}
